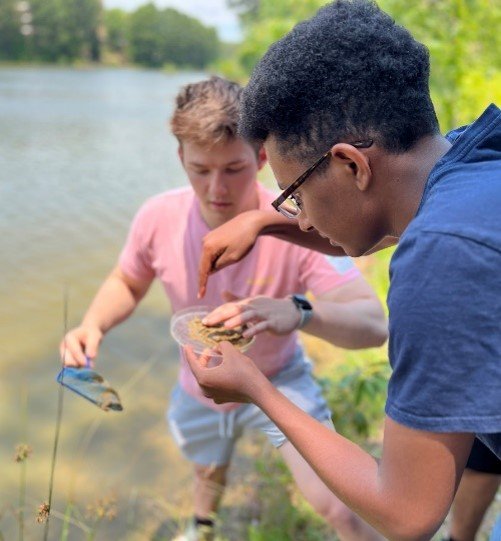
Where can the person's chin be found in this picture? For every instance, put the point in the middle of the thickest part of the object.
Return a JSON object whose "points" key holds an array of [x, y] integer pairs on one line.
{"points": [[349, 250]]}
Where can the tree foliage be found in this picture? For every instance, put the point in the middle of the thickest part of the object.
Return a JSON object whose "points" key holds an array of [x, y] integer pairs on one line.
{"points": [[462, 36], [158, 37], [69, 30], [116, 30], [49, 30], [11, 40], [464, 42]]}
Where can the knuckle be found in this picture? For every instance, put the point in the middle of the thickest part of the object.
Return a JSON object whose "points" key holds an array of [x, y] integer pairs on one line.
{"points": [[202, 381], [207, 244]]}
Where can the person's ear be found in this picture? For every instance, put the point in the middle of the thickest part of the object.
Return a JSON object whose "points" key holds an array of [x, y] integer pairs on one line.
{"points": [[354, 162], [261, 158], [180, 153]]}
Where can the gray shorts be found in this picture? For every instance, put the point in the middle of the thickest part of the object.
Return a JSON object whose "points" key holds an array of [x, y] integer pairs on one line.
{"points": [[207, 437]]}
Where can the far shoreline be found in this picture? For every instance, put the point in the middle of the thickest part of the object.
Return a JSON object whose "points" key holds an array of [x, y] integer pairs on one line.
{"points": [[84, 65]]}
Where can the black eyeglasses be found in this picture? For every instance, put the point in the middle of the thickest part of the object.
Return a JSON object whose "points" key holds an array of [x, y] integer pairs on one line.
{"points": [[286, 203]]}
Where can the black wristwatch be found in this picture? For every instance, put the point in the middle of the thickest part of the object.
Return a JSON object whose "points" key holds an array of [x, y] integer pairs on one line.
{"points": [[305, 309]]}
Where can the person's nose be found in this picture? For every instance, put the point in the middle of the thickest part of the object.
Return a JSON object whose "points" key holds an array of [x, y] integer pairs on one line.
{"points": [[303, 223], [217, 185]]}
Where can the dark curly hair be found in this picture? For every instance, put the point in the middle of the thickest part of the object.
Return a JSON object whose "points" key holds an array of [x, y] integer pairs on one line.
{"points": [[349, 73]]}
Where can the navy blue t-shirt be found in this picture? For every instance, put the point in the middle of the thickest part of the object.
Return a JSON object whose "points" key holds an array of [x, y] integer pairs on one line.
{"points": [[445, 294]]}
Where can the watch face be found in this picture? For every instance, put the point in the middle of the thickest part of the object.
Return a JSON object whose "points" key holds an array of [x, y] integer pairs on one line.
{"points": [[302, 302]]}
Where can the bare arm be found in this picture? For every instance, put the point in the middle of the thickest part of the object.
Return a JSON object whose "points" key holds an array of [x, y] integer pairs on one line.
{"points": [[230, 242], [287, 229], [405, 496], [348, 316], [233, 240], [277, 225], [116, 299]]}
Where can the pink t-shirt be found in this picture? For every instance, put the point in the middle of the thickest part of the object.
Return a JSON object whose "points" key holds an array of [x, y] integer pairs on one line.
{"points": [[165, 241]]}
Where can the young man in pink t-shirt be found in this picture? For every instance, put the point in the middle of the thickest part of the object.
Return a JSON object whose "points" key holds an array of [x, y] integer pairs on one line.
{"points": [[165, 242]]}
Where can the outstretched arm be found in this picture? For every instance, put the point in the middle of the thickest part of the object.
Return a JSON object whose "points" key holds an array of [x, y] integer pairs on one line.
{"points": [[348, 316], [233, 240], [114, 302], [230, 242]]}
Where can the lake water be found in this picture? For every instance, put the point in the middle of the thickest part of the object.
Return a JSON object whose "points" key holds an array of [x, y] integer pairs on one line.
{"points": [[79, 151]]}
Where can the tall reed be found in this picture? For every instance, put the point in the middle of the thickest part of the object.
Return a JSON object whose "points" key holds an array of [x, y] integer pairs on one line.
{"points": [[45, 509]]}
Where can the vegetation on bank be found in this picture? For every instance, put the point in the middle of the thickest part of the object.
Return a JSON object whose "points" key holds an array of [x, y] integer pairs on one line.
{"points": [[82, 30], [462, 36]]}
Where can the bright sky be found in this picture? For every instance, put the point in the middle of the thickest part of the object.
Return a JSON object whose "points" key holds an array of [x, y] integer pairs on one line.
{"points": [[210, 12]]}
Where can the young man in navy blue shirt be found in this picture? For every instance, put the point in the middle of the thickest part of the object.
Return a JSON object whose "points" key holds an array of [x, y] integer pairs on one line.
{"points": [[342, 106]]}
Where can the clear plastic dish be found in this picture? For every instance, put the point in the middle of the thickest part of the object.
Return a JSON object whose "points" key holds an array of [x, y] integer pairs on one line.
{"points": [[179, 329]]}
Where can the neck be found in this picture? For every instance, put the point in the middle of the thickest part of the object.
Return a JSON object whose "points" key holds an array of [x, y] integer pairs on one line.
{"points": [[409, 174]]}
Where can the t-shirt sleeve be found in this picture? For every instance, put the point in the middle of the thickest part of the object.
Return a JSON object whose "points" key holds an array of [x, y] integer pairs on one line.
{"points": [[445, 341], [135, 258], [320, 273]]}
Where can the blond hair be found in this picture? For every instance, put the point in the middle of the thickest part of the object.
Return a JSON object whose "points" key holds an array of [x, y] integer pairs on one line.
{"points": [[207, 112]]}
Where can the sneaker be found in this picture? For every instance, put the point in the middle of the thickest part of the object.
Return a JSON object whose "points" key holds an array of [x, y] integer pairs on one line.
{"points": [[196, 533]]}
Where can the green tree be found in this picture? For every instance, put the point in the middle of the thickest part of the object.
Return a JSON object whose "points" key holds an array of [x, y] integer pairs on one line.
{"points": [[462, 36], [187, 41], [12, 43], [65, 30], [145, 36], [266, 21], [116, 23], [159, 37], [248, 10], [464, 42]]}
